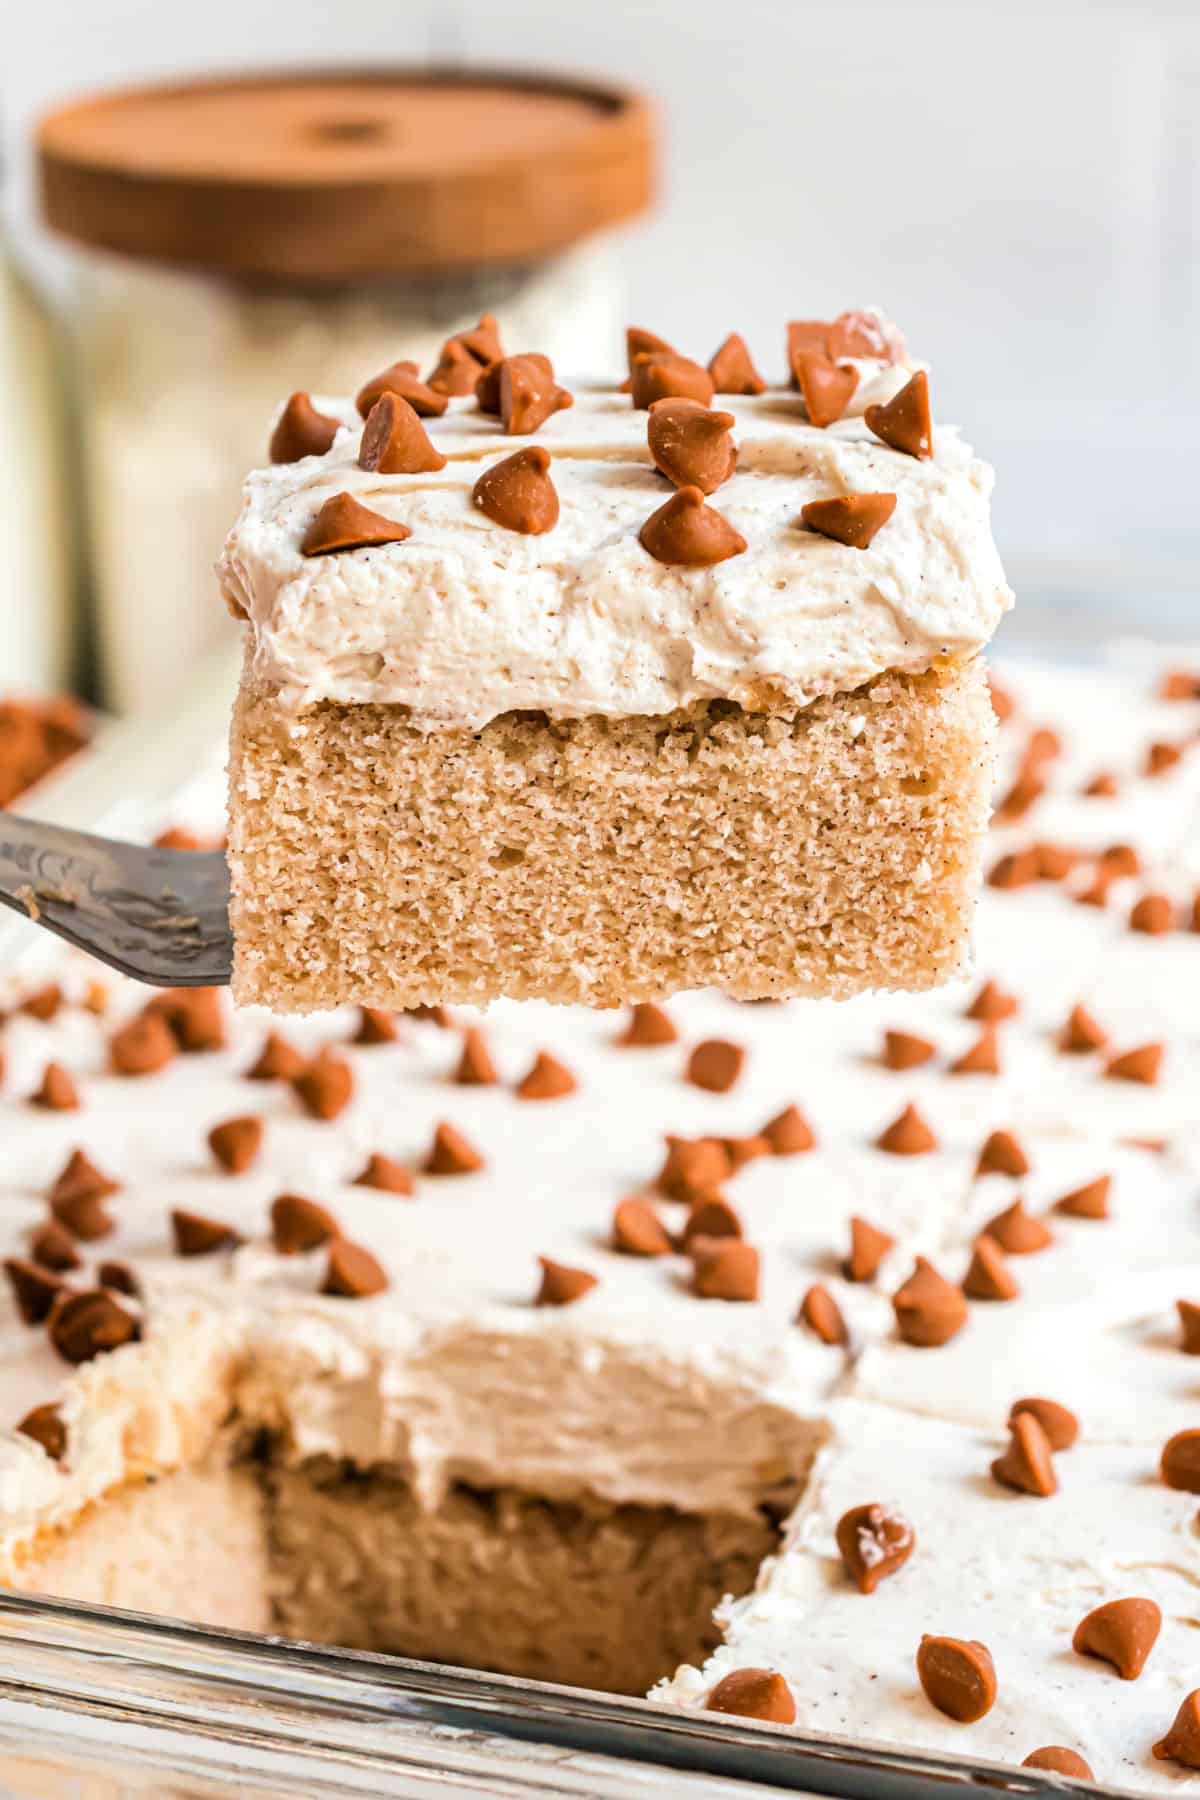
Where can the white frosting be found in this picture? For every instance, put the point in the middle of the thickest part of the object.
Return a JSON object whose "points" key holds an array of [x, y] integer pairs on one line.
{"points": [[642, 1392], [466, 620]]}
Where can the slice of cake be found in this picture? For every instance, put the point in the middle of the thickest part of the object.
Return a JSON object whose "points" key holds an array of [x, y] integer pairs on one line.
{"points": [[605, 700]]}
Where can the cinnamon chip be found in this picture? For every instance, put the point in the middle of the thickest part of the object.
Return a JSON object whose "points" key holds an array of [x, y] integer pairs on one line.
{"points": [[1161, 757], [823, 1316], [715, 1065], [826, 389], [1021, 797], [1015, 869], [693, 1166], [464, 355], [1027, 1464], [142, 1047], [455, 372], [868, 1248], [1059, 1423], [80, 1179], [119, 1277], [44, 1424], [929, 1309], [451, 1154], [298, 1224], [518, 494], [386, 1175], [196, 1235], [1152, 914], [983, 1057], [84, 1216], [657, 376], [724, 1269], [989, 1276], [1087, 1202], [861, 334], [732, 368], [1179, 684], [1002, 1155], [475, 1065], [57, 1091], [638, 1231], [644, 343], [548, 1079], [874, 1542], [1018, 1232], [43, 1004], [789, 1133], [1182, 1742], [236, 1142], [34, 1289], [344, 524], [325, 1086], [648, 1027], [1119, 860], [375, 1026], [276, 1061], [852, 519], [904, 422], [685, 533], [301, 431], [53, 1246], [1095, 893], [991, 1005], [958, 1677], [394, 441], [487, 387], [754, 1694], [352, 1272], [1121, 1632], [690, 444], [1102, 786], [529, 394], [902, 1050], [1180, 1463], [1054, 861], [560, 1285], [1188, 1310], [1143, 1064], [193, 1016], [402, 378], [711, 1216], [1056, 1759], [806, 337], [907, 1135], [86, 1325], [1081, 1033]]}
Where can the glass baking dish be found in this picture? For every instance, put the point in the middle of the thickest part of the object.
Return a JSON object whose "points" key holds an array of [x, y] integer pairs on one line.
{"points": [[99, 1702]]}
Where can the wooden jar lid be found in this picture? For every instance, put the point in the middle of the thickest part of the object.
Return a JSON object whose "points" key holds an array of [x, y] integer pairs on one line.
{"points": [[325, 176]]}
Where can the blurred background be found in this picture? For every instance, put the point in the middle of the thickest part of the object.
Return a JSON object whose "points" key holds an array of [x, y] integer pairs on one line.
{"points": [[1018, 185]]}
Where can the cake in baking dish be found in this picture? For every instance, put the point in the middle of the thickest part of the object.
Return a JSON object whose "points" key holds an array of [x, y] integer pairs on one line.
{"points": [[526, 1340], [604, 696]]}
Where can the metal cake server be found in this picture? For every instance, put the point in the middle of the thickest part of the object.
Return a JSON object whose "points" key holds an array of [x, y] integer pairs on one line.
{"points": [[161, 916]]}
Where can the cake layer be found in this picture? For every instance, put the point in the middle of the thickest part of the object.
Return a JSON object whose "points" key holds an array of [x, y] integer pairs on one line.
{"points": [[598, 860], [583, 1593], [465, 620]]}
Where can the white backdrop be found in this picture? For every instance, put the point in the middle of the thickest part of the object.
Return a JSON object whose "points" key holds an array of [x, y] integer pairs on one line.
{"points": [[1019, 184]]}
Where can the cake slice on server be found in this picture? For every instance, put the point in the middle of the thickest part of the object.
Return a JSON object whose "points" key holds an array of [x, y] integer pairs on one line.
{"points": [[606, 696]]}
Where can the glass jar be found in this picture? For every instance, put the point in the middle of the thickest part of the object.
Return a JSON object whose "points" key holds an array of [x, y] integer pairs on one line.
{"points": [[240, 240], [37, 571]]}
